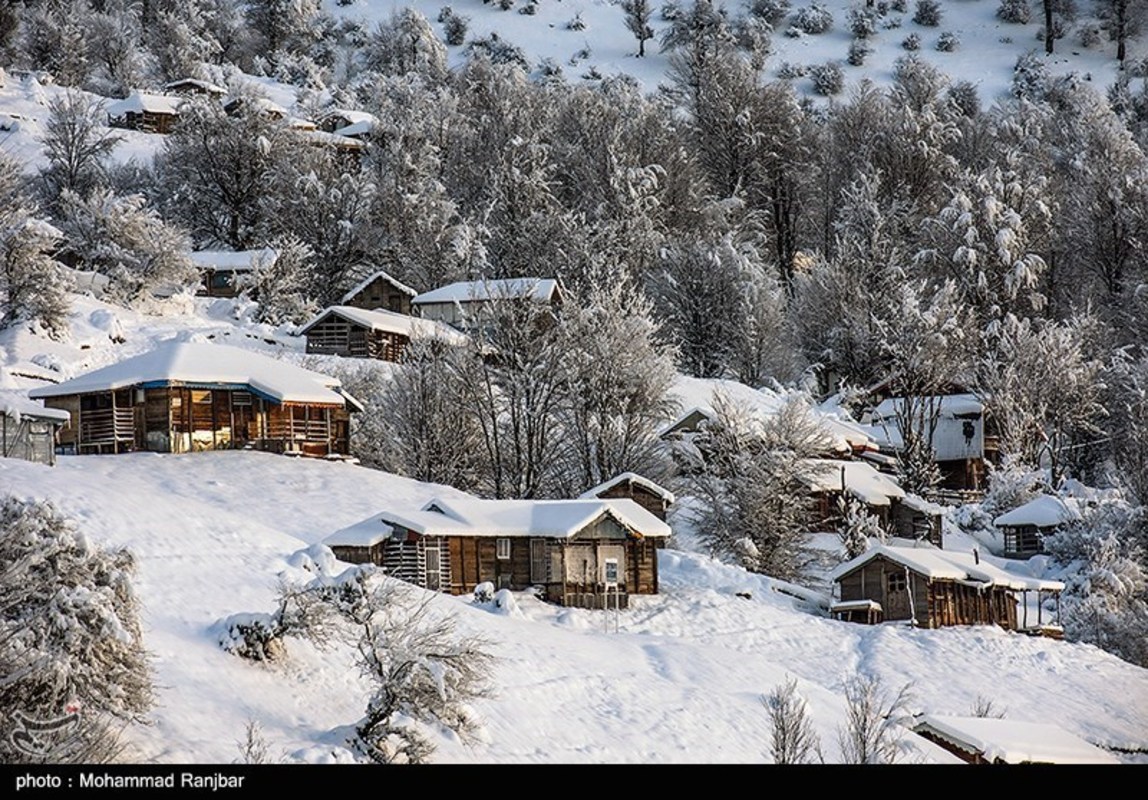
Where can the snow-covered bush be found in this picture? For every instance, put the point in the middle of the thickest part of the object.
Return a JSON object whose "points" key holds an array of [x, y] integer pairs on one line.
{"points": [[454, 29], [1012, 485], [912, 42], [1090, 34], [484, 592], [529, 9], [577, 23], [1030, 77], [445, 13], [812, 19], [789, 71], [506, 5], [928, 13], [71, 647], [670, 11], [828, 78], [1015, 11], [498, 50], [793, 739], [948, 41], [862, 23], [772, 11], [964, 94], [859, 50], [900, 6]]}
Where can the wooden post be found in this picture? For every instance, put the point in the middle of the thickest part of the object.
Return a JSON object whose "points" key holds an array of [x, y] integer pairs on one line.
{"points": [[115, 436]]}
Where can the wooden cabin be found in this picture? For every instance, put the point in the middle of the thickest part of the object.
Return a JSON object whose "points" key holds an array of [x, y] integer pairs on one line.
{"points": [[585, 553], [338, 119], [993, 740], [460, 304], [183, 397], [223, 271], [631, 486], [1024, 529], [915, 518], [150, 113], [380, 291], [830, 479], [932, 588], [28, 430], [194, 86], [356, 333]]}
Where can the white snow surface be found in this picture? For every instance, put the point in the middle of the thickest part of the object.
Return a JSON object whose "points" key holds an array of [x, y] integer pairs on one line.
{"points": [[1046, 511], [234, 260], [861, 480], [1015, 742], [139, 102], [16, 404]]}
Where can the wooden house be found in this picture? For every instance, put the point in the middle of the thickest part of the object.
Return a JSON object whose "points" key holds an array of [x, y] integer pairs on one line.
{"points": [[223, 271], [28, 430], [829, 479], [631, 486], [586, 553], [357, 333], [150, 113], [932, 588], [460, 304], [194, 86], [993, 740], [380, 291], [233, 106], [915, 518], [183, 397], [1024, 528], [337, 120]]}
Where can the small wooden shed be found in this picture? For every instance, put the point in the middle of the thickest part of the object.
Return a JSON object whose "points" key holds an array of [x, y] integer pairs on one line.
{"points": [[586, 553], [28, 430], [632, 486], [992, 740], [357, 333], [183, 397], [932, 588], [380, 291], [223, 271], [1024, 528], [458, 303]]}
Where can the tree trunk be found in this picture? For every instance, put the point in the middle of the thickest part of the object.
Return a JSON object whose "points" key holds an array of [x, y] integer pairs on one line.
{"points": [[1048, 40]]}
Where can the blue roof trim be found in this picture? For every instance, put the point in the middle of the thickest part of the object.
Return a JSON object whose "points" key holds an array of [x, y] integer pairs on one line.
{"points": [[227, 387]]}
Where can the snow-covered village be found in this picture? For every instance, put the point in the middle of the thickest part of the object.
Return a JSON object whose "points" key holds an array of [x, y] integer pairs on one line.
{"points": [[573, 382]]}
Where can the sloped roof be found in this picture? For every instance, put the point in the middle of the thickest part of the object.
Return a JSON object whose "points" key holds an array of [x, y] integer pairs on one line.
{"points": [[553, 519], [953, 565], [1046, 511], [200, 363], [16, 404], [950, 405], [206, 86], [389, 322], [629, 477], [541, 290], [231, 260], [1012, 741], [861, 480], [363, 284], [139, 102]]}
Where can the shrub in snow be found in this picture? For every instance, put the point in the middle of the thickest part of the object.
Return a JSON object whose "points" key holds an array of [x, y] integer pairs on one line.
{"points": [[71, 648], [793, 739], [592, 74], [900, 6], [1089, 34], [911, 42], [828, 78], [874, 722], [506, 5], [964, 95], [484, 592], [1030, 77], [859, 50], [928, 13], [1015, 11], [891, 24], [499, 51], [528, 9], [445, 13], [948, 42], [789, 71], [670, 11], [812, 19], [576, 24], [454, 29], [862, 23], [505, 602], [772, 11]]}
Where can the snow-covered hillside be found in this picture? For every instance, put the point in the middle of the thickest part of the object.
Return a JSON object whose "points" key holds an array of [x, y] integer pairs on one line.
{"points": [[677, 678]]}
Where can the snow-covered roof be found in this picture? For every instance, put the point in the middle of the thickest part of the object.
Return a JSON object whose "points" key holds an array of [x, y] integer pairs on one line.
{"points": [[351, 116], [231, 260], [389, 322], [539, 289], [1046, 511], [16, 405], [952, 565], [259, 103], [363, 284], [309, 130], [629, 477], [205, 86], [196, 363], [951, 405], [1012, 741], [356, 129], [861, 480], [918, 503], [139, 102], [555, 519]]}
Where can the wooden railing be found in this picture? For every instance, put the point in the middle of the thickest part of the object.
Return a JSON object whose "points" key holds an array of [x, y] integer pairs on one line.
{"points": [[313, 430], [107, 426]]}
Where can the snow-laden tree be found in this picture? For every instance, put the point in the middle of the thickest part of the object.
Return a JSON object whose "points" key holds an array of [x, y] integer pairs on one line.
{"points": [[616, 375], [124, 239], [765, 347], [280, 281], [1129, 424], [637, 16], [875, 722], [77, 142], [857, 526], [71, 649], [32, 287], [1044, 389], [54, 38], [792, 737], [113, 41], [282, 27], [405, 44]]}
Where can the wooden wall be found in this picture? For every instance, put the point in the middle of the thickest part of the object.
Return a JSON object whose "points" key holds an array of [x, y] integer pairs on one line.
{"points": [[380, 293], [648, 500], [340, 337]]}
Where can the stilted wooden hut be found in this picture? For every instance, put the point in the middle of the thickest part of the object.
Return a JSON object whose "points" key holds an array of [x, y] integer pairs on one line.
{"points": [[932, 588], [223, 271], [28, 430], [184, 397], [150, 113], [356, 333], [587, 553]]}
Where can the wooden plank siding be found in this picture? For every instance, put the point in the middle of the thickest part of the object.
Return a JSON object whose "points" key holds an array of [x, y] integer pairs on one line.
{"points": [[380, 293], [340, 337], [648, 500]]}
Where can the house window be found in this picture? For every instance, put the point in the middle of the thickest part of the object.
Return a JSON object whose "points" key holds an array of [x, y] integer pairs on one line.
{"points": [[503, 548], [896, 581]]}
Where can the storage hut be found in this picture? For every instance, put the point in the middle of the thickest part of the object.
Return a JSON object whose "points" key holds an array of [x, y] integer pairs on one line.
{"points": [[1023, 529], [380, 291], [357, 333], [932, 588], [632, 486], [586, 553], [183, 397], [992, 740], [828, 479], [150, 113], [223, 271], [27, 429], [458, 304]]}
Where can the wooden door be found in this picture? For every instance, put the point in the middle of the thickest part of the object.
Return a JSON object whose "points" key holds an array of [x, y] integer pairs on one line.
{"points": [[896, 603]]}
